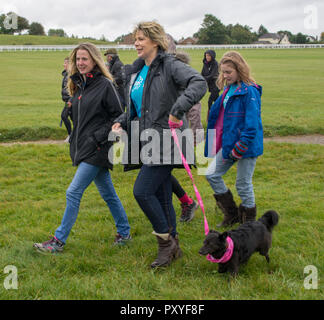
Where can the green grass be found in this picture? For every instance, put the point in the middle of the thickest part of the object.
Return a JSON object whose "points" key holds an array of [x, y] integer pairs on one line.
{"points": [[288, 178], [42, 40], [292, 81]]}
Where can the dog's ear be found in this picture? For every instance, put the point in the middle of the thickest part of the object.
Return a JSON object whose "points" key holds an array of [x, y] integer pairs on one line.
{"points": [[223, 236]]}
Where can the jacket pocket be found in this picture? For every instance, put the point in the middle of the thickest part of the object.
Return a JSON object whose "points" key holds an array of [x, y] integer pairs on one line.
{"points": [[87, 149]]}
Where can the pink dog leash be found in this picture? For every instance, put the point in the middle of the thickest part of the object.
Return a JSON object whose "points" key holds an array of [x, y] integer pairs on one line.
{"points": [[173, 126], [229, 251]]}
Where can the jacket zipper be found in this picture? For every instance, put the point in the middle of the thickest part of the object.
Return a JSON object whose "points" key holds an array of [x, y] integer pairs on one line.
{"points": [[78, 126]]}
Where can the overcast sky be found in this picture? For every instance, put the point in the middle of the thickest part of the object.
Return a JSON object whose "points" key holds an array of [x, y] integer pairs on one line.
{"points": [[180, 18]]}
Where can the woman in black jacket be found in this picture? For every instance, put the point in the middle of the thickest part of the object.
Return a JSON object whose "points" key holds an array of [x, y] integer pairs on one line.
{"points": [[210, 73], [95, 106], [159, 88]]}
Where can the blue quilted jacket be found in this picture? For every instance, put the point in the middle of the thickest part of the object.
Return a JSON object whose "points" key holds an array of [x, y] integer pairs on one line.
{"points": [[242, 122]]}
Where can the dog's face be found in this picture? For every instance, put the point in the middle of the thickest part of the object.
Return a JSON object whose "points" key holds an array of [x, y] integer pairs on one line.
{"points": [[214, 244]]}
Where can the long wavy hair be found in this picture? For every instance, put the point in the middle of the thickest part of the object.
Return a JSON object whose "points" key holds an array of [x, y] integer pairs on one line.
{"points": [[96, 56], [154, 31], [236, 61]]}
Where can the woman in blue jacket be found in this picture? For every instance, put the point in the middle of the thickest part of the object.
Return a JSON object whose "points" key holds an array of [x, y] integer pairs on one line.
{"points": [[235, 134]]}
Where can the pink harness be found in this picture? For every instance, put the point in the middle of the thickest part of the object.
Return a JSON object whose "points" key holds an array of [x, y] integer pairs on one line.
{"points": [[229, 251]]}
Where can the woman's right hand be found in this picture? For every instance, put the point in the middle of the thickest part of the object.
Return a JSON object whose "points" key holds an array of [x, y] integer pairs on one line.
{"points": [[116, 127]]}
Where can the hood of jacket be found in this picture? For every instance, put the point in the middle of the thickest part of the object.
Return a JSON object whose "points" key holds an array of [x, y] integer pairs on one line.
{"points": [[212, 53]]}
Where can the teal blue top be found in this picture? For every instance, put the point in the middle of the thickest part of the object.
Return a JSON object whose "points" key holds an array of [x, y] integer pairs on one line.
{"points": [[230, 92], [137, 89]]}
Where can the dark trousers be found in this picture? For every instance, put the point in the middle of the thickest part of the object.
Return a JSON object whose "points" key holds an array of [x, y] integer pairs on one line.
{"points": [[153, 193], [66, 120], [214, 93], [176, 188]]}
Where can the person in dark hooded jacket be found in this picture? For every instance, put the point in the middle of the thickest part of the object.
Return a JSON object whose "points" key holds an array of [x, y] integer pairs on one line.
{"points": [[210, 73], [67, 99], [95, 105], [116, 68]]}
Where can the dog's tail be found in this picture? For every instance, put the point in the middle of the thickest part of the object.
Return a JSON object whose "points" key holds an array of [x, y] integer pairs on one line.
{"points": [[270, 219]]}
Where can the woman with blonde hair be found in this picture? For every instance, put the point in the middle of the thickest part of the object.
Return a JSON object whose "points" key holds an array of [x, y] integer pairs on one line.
{"points": [[160, 89], [95, 105], [236, 118]]}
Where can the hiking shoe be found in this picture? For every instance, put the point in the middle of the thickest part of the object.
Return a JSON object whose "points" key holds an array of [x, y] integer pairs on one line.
{"points": [[121, 240], [53, 245], [188, 211]]}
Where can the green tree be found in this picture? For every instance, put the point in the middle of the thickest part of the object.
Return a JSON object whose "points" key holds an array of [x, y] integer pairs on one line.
{"points": [[36, 29], [56, 33], [212, 31], [322, 37], [16, 23], [242, 34], [23, 24], [262, 30], [301, 38]]}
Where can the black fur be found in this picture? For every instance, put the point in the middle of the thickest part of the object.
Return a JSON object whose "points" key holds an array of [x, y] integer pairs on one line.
{"points": [[250, 237]]}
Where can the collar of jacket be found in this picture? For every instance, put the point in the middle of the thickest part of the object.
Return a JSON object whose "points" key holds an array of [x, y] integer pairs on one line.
{"points": [[78, 79], [243, 89], [240, 90], [64, 73], [113, 60]]}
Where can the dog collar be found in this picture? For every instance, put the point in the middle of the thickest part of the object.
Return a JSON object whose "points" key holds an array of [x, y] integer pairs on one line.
{"points": [[227, 255]]}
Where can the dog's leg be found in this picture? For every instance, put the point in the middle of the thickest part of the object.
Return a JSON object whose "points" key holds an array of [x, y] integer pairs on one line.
{"points": [[233, 264], [267, 258], [222, 268]]}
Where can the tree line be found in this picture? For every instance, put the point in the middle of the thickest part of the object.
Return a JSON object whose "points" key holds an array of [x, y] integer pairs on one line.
{"points": [[212, 31], [11, 23]]}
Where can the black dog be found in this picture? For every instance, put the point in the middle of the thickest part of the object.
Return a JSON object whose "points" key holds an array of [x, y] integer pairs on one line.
{"points": [[248, 238]]}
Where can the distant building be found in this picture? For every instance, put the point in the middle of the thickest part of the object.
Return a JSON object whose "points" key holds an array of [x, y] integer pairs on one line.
{"points": [[273, 38], [128, 39], [188, 41], [311, 39]]}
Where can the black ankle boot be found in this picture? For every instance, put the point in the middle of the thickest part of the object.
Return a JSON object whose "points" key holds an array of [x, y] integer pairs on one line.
{"points": [[246, 214], [229, 208]]}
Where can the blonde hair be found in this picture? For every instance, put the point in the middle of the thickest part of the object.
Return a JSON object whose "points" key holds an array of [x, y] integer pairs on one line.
{"points": [[96, 56], [239, 64], [153, 31]]}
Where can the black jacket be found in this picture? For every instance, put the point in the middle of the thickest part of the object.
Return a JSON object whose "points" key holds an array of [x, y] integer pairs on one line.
{"points": [[171, 87], [210, 70], [95, 105], [116, 68], [64, 91]]}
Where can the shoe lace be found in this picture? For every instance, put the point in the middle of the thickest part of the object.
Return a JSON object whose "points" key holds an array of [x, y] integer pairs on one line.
{"points": [[118, 237], [51, 240], [185, 208]]}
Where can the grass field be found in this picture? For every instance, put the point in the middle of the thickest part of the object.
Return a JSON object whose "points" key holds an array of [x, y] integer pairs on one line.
{"points": [[33, 179], [41, 40], [292, 83]]}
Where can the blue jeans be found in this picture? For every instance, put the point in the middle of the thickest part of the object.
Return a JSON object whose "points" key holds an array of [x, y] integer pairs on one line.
{"points": [[85, 174], [245, 169], [153, 193]]}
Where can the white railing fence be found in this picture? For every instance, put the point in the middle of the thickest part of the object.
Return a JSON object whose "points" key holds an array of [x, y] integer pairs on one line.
{"points": [[131, 47]]}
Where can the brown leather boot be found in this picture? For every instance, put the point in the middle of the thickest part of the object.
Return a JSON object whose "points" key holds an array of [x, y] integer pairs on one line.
{"points": [[179, 251], [167, 251], [229, 208], [246, 214]]}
